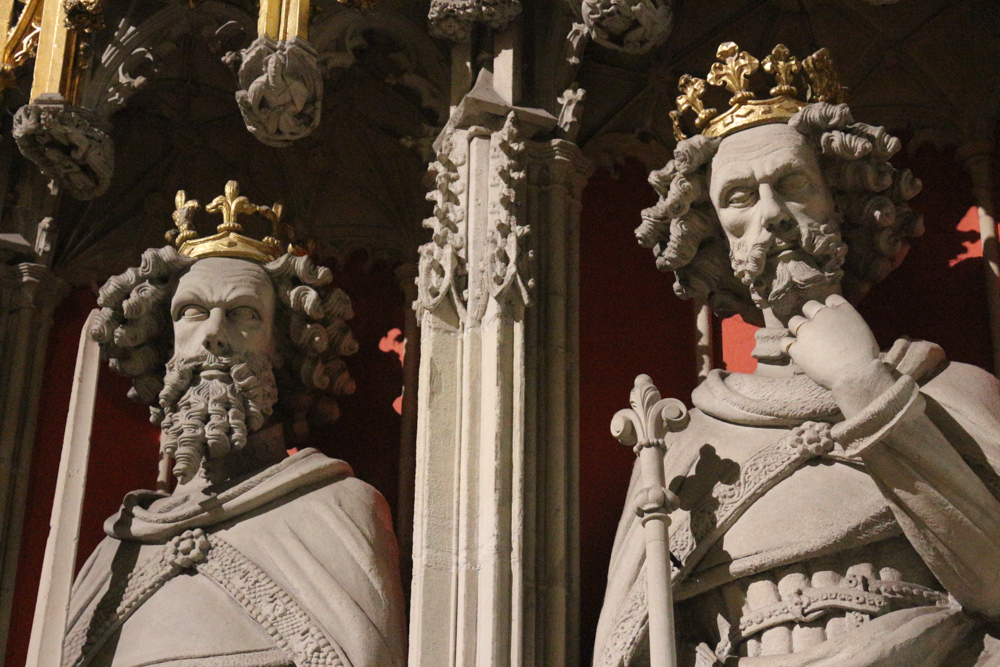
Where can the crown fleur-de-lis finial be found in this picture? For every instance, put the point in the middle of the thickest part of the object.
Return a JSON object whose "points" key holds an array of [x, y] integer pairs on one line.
{"points": [[732, 70], [231, 205], [272, 213], [182, 219], [228, 241], [783, 66], [824, 83], [692, 88]]}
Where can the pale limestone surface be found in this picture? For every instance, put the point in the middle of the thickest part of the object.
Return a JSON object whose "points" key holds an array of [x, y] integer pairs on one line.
{"points": [[257, 559], [838, 507]]}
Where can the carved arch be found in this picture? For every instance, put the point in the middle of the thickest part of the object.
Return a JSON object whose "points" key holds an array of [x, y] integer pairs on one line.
{"points": [[135, 49]]}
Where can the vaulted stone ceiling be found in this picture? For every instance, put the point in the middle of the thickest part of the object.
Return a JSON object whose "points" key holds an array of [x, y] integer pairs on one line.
{"points": [[355, 183], [924, 67]]}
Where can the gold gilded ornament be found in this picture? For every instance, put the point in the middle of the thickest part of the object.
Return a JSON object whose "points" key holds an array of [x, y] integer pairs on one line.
{"points": [[824, 83], [783, 66], [733, 71], [228, 241], [692, 88]]}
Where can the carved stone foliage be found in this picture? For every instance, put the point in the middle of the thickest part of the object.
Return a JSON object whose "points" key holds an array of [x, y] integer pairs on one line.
{"points": [[633, 26], [442, 271], [70, 145], [453, 19], [281, 89], [508, 256]]}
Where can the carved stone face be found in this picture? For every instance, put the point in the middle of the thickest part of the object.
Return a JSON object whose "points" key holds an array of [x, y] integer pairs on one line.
{"points": [[219, 387], [224, 306], [778, 214]]}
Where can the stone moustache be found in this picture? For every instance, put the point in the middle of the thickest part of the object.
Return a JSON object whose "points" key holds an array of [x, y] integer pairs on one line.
{"points": [[257, 558], [839, 506]]}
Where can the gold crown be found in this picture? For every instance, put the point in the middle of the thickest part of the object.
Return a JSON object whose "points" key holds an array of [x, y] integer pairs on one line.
{"points": [[733, 71], [227, 242]]}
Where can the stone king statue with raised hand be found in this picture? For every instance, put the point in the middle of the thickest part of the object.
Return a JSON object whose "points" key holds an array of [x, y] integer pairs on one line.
{"points": [[257, 558], [839, 506]]}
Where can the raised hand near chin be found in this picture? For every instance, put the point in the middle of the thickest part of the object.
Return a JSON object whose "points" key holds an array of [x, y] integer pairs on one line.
{"points": [[829, 341]]}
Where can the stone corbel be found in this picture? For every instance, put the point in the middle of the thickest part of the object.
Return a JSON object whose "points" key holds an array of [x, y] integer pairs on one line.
{"points": [[281, 85], [281, 89], [454, 19], [69, 144], [624, 25]]}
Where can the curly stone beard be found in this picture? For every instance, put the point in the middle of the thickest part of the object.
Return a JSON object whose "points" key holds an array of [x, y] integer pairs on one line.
{"points": [[232, 398], [784, 281]]}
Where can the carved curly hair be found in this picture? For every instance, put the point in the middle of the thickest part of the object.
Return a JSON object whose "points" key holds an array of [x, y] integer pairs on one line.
{"points": [[686, 237], [135, 332]]}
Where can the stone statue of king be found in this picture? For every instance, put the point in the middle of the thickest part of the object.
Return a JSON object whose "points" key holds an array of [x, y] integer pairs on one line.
{"points": [[257, 558], [839, 506]]}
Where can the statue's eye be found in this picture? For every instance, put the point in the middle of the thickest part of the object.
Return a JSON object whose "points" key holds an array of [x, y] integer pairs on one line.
{"points": [[793, 183], [741, 197], [243, 314], [192, 312]]}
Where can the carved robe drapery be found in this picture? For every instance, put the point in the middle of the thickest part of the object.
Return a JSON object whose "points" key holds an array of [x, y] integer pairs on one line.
{"points": [[254, 579], [787, 562]]}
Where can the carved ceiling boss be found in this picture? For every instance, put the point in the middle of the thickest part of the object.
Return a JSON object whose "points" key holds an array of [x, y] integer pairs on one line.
{"points": [[839, 506], [257, 559]]}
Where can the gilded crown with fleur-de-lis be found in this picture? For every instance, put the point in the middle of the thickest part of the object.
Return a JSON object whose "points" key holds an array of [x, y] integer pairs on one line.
{"points": [[227, 241], [816, 76]]}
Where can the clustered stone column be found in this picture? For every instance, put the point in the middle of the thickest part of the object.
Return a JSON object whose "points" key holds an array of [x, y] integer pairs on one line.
{"points": [[496, 527], [29, 292]]}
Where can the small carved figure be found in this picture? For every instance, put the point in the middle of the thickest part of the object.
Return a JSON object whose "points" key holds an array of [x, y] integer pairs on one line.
{"points": [[632, 26], [69, 144], [257, 558], [839, 506], [281, 89]]}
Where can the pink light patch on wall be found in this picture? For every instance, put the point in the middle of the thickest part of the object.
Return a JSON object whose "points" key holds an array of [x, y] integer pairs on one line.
{"points": [[394, 342], [737, 343], [973, 247]]}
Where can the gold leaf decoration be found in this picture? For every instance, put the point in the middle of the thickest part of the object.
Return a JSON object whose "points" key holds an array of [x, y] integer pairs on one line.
{"points": [[732, 70], [783, 66]]}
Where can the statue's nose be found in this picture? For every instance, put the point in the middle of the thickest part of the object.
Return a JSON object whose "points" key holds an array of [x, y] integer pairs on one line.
{"points": [[216, 340], [774, 215]]}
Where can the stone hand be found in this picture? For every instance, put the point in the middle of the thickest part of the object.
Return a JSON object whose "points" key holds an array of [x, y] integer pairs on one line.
{"points": [[830, 341]]}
